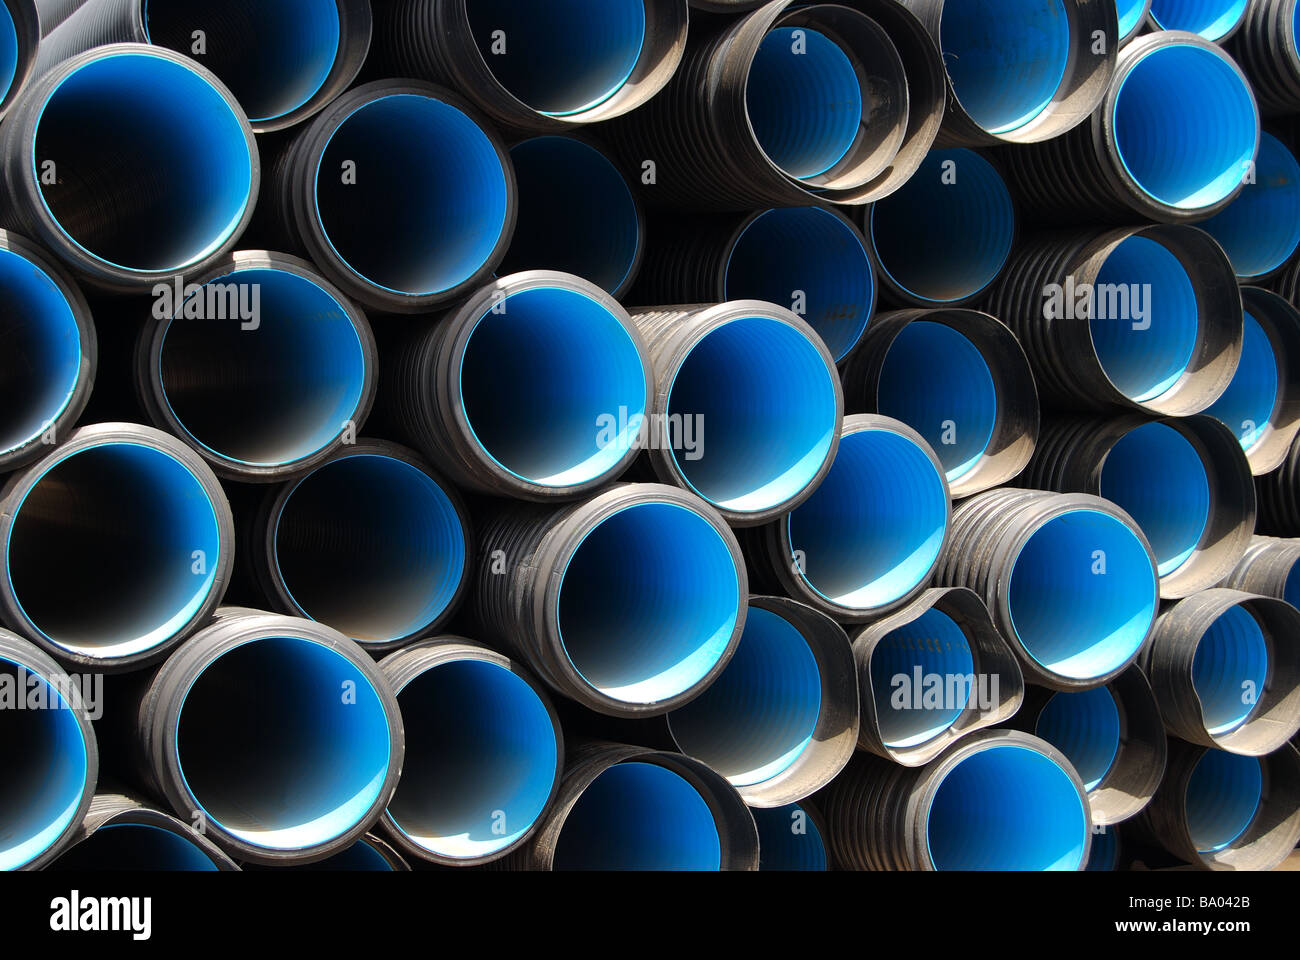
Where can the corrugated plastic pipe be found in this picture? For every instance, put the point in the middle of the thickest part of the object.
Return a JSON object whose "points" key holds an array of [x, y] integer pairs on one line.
{"points": [[54, 12], [1260, 229], [1214, 20], [1267, 569], [1279, 506], [20, 36], [791, 838], [1266, 47], [1132, 17], [121, 833]]}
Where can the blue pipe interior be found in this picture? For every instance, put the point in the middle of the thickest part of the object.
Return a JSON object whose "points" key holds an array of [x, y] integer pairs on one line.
{"points": [[957, 409], [269, 390], [8, 51], [274, 55], [1291, 589], [1158, 477], [136, 847], [1186, 126], [553, 386], [1104, 856], [576, 213], [361, 857], [1005, 58], [947, 232], [306, 730], [1210, 18], [758, 717], [873, 528], [1085, 726], [784, 251], [1260, 229], [761, 397], [44, 758], [1223, 796], [563, 56], [788, 839], [804, 100], [1247, 406], [159, 150], [120, 526], [1007, 808], [1076, 622], [1229, 670], [922, 676], [639, 816], [480, 764], [1143, 318], [370, 545], [648, 602], [429, 200], [43, 351]]}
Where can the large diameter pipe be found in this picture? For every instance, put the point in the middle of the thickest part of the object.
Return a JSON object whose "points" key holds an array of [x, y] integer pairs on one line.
{"points": [[20, 37], [116, 545], [1260, 229], [1215, 20], [1265, 46], [122, 833], [49, 752], [1266, 569], [631, 602], [791, 838]]}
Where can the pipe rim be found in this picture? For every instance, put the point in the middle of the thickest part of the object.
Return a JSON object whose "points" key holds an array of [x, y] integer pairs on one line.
{"points": [[144, 817], [1223, 26]]}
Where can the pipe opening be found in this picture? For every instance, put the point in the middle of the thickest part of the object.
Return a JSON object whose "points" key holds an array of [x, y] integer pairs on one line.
{"points": [[480, 759], [311, 762], [371, 545], [1157, 476], [1212, 19], [1005, 58], [788, 839], [274, 55], [758, 717], [8, 51], [269, 394], [1006, 808], [44, 756], [117, 526], [1248, 405], [1260, 229], [639, 816], [553, 386], [1104, 856], [784, 251], [922, 676], [135, 846], [648, 602], [1085, 726], [43, 351], [1164, 135], [958, 407], [154, 208], [562, 57], [1229, 670], [442, 225], [576, 213], [1291, 592], [1076, 621], [942, 239], [361, 857], [873, 529], [765, 394], [1223, 796]]}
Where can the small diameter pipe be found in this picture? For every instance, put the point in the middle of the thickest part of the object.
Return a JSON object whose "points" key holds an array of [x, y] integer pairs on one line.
{"points": [[931, 674], [125, 217], [120, 833], [747, 406], [1184, 480], [372, 542], [1069, 579], [117, 545], [279, 736], [997, 800], [49, 752], [1266, 47], [20, 37], [1260, 230], [262, 366], [536, 388], [1138, 318], [1132, 17], [791, 838], [961, 380], [869, 538], [1225, 671], [1214, 20], [1268, 568], [781, 721]]}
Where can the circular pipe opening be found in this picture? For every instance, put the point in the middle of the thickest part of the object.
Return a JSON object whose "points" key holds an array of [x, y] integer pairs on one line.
{"points": [[762, 397], [115, 526], [1006, 808], [1260, 229], [269, 373], [1247, 407], [155, 167], [946, 234], [371, 545], [1085, 726], [135, 846], [1157, 476], [1223, 796], [429, 200], [1231, 658], [648, 602], [873, 529], [919, 675], [45, 760], [788, 839], [311, 761], [1212, 19], [639, 816], [553, 387], [1131, 14], [1076, 622], [480, 762], [9, 54], [783, 252]]}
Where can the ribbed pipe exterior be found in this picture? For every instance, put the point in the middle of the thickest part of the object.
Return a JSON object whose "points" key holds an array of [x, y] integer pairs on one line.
{"points": [[54, 12], [1265, 46], [1266, 567], [1279, 497], [116, 809]]}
